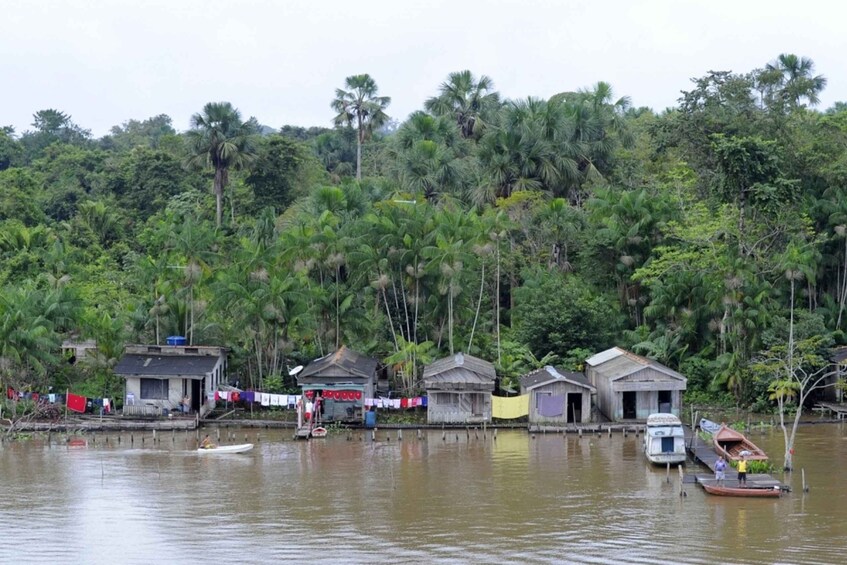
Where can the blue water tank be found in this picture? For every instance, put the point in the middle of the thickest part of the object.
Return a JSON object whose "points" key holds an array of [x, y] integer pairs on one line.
{"points": [[176, 340], [370, 419]]}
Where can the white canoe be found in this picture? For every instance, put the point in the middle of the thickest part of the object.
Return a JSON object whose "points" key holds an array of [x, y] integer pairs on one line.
{"points": [[240, 448]]}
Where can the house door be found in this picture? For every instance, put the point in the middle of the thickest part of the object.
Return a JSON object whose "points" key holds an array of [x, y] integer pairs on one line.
{"points": [[195, 395], [574, 407], [665, 401], [629, 401]]}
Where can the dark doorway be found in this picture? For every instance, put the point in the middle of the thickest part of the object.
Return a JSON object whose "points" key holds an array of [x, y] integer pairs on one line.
{"points": [[665, 401], [574, 407], [629, 405], [195, 395], [667, 445]]}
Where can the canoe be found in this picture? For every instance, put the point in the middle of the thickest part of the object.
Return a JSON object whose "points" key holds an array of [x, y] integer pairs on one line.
{"points": [[240, 448], [732, 445], [752, 492], [709, 426], [319, 431]]}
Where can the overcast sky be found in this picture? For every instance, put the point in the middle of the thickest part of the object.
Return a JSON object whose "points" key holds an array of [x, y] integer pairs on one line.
{"points": [[105, 62]]}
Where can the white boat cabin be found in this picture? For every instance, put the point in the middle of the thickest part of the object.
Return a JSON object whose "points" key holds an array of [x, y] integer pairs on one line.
{"points": [[664, 440]]}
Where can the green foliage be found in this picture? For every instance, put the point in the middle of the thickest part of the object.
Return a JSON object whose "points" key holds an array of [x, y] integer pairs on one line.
{"points": [[556, 313]]}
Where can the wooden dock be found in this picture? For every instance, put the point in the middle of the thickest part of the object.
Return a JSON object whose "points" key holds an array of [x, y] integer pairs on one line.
{"points": [[838, 410], [705, 454]]}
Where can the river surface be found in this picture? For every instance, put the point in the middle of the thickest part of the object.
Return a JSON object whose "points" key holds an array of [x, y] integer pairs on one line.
{"points": [[464, 499]]}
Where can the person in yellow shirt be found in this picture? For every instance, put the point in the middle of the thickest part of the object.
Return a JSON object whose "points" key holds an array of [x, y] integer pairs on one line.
{"points": [[742, 471]]}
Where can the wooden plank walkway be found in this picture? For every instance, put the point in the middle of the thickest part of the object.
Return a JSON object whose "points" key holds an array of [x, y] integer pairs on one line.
{"points": [[840, 410], [705, 454]]}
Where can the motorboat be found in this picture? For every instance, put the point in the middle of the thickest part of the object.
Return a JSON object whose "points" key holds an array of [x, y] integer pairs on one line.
{"points": [[219, 449], [664, 440]]}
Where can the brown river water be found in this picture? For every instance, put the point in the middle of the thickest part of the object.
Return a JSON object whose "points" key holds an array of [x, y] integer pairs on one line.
{"points": [[467, 499]]}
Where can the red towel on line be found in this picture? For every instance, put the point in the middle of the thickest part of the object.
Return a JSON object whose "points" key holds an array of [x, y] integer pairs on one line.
{"points": [[76, 403]]}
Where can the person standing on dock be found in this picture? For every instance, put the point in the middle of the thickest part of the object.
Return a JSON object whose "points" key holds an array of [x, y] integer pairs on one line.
{"points": [[720, 470], [742, 471]]}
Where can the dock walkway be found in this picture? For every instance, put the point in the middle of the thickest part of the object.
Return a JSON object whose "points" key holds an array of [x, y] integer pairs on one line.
{"points": [[705, 454], [839, 410]]}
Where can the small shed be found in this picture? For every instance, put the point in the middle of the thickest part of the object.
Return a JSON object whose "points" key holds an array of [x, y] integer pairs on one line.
{"points": [[459, 390], [159, 377], [343, 379], [631, 387], [557, 396]]}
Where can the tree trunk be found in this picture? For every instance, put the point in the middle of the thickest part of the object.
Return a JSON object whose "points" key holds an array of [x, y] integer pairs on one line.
{"points": [[219, 194]]}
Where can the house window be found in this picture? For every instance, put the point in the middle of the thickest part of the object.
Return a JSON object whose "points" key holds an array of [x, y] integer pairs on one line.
{"points": [[154, 389], [447, 398]]}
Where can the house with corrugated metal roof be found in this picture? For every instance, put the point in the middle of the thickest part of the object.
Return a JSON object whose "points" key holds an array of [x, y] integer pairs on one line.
{"points": [[631, 387], [459, 390], [343, 380], [557, 396], [160, 378]]}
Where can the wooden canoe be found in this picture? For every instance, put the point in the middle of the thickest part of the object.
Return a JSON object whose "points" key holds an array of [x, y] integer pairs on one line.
{"points": [[319, 431], [732, 445], [752, 492], [240, 448]]}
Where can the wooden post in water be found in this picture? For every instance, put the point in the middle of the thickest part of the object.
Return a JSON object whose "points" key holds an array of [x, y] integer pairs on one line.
{"points": [[154, 436], [419, 433], [681, 490], [173, 435], [218, 434], [495, 434], [803, 475], [610, 431], [668, 472], [131, 439], [399, 435], [580, 433]]}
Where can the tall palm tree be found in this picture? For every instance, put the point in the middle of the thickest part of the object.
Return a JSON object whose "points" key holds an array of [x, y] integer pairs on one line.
{"points": [[468, 100], [220, 140], [360, 105], [794, 80]]}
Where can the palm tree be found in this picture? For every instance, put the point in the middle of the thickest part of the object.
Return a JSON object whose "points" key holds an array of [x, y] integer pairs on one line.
{"points": [[360, 105], [220, 141], [794, 81], [468, 100]]}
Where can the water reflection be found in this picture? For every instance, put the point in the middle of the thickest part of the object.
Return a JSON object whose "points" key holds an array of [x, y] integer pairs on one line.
{"points": [[464, 498]]}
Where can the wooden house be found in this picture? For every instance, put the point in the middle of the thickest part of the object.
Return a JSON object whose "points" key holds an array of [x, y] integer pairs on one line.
{"points": [[557, 396], [343, 379], [631, 387], [159, 377], [459, 390]]}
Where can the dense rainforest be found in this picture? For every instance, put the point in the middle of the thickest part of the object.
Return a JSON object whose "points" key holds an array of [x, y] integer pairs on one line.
{"points": [[711, 236]]}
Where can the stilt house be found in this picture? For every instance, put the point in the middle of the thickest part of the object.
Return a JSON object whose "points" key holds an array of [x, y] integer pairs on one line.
{"points": [[343, 379], [159, 377], [557, 396], [631, 387], [459, 390]]}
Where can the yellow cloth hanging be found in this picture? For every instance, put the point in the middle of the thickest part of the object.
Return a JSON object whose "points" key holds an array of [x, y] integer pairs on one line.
{"points": [[508, 408]]}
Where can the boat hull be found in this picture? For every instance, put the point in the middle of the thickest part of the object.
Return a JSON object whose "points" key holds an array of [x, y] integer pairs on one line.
{"points": [[751, 492], [731, 444], [221, 449]]}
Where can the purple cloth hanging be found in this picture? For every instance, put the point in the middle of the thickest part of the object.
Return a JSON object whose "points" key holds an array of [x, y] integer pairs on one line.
{"points": [[551, 406]]}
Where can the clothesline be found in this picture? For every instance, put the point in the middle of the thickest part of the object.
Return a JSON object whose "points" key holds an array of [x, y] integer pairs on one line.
{"points": [[290, 400]]}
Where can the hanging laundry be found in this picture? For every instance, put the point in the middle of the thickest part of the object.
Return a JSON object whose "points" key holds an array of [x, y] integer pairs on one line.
{"points": [[423, 401], [395, 403], [11, 394], [510, 407], [266, 399], [76, 403], [107, 406], [217, 396], [248, 396], [404, 403], [51, 398]]}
